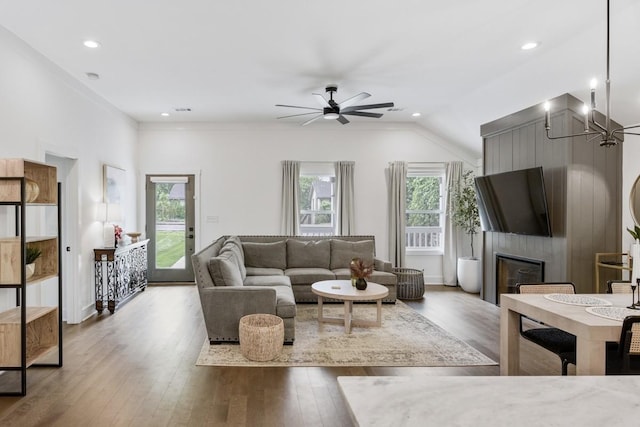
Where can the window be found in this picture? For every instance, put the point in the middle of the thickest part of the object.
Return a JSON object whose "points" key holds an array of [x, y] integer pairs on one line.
{"points": [[425, 207], [317, 199]]}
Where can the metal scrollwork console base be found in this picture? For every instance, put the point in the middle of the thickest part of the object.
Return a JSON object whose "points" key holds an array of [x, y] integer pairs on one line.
{"points": [[120, 273]]}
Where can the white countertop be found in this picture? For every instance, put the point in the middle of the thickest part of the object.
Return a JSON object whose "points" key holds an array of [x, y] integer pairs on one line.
{"points": [[493, 401]]}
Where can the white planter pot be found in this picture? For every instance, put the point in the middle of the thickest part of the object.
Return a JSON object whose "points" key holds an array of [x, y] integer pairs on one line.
{"points": [[635, 256], [470, 274], [31, 268]]}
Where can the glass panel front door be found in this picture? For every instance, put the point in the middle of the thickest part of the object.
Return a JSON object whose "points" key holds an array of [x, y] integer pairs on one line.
{"points": [[170, 226]]}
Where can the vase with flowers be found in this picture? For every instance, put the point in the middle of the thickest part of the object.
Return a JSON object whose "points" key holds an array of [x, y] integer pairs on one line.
{"points": [[360, 271], [117, 232]]}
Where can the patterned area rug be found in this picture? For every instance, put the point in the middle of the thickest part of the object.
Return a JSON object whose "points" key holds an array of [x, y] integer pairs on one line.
{"points": [[405, 339]]}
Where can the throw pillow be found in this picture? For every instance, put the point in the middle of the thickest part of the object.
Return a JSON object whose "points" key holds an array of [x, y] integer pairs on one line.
{"points": [[342, 252], [311, 254], [224, 270], [235, 240], [234, 246], [265, 255]]}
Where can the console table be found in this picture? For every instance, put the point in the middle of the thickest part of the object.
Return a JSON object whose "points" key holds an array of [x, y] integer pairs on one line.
{"points": [[119, 273]]}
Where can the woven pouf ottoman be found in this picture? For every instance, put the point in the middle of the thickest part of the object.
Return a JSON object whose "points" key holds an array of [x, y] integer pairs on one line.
{"points": [[261, 336], [410, 283]]}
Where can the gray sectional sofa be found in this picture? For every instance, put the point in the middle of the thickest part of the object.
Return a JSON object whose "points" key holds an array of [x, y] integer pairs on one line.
{"points": [[239, 275]]}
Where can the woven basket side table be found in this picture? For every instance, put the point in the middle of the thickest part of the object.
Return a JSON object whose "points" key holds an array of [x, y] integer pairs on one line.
{"points": [[410, 283], [261, 336]]}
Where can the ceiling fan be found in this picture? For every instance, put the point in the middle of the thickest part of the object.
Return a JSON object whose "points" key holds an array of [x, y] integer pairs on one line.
{"points": [[333, 110]]}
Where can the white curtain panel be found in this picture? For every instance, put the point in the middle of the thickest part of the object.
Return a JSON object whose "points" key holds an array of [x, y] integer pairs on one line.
{"points": [[290, 177], [345, 194], [451, 233], [397, 188]]}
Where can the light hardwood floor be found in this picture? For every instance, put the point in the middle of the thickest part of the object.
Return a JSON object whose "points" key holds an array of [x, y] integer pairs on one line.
{"points": [[137, 368]]}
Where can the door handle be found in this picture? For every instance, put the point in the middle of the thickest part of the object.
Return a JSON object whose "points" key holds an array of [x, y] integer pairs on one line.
{"points": [[190, 236]]}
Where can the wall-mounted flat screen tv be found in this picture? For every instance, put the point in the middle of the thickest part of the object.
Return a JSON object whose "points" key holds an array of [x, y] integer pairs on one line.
{"points": [[514, 202]]}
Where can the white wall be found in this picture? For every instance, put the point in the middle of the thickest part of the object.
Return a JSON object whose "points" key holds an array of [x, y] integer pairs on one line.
{"points": [[630, 172], [240, 167], [44, 109]]}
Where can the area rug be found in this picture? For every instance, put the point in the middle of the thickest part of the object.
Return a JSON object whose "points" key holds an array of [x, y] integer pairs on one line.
{"points": [[406, 338]]}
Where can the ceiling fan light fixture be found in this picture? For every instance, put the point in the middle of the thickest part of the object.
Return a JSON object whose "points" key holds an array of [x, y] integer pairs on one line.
{"points": [[332, 110]]}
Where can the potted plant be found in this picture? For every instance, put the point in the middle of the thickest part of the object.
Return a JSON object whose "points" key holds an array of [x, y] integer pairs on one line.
{"points": [[30, 259], [465, 215], [360, 271]]}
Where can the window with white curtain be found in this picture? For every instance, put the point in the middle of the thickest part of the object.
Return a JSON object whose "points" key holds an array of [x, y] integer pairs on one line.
{"points": [[425, 211], [317, 199]]}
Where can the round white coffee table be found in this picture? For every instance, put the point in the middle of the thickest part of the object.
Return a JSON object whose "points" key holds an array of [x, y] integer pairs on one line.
{"points": [[344, 291]]}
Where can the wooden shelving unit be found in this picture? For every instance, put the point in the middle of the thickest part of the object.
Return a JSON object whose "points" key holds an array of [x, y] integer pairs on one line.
{"points": [[42, 334], [28, 334]]}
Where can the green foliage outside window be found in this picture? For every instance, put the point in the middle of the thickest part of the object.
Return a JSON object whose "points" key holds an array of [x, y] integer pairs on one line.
{"points": [[305, 191], [168, 209], [423, 194], [305, 194]]}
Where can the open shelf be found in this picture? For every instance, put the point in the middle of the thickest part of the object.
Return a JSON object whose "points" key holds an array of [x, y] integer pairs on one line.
{"points": [[46, 264], [44, 176], [42, 334]]}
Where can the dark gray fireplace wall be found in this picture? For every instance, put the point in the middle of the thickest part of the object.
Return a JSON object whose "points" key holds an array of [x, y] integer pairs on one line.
{"points": [[583, 182]]}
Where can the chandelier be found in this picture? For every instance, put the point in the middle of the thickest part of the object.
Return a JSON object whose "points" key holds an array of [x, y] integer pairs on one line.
{"points": [[604, 132]]}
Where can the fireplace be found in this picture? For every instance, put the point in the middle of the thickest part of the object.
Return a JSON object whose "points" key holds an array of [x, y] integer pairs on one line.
{"points": [[511, 270]]}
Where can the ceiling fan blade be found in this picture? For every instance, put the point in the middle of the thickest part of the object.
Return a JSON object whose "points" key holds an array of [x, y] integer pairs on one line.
{"points": [[342, 119], [367, 107], [312, 120], [323, 102], [296, 115], [363, 114], [296, 106], [350, 101]]}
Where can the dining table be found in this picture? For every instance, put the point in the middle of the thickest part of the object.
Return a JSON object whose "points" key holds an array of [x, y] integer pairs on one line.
{"points": [[594, 319]]}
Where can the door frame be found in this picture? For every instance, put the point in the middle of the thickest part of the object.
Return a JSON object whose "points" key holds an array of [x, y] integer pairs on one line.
{"points": [[72, 310], [142, 197]]}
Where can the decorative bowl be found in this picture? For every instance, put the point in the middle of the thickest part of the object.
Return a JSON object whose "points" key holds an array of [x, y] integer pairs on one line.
{"points": [[134, 236]]}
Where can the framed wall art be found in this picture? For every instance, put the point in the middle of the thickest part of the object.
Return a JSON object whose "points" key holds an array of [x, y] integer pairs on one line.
{"points": [[114, 185]]}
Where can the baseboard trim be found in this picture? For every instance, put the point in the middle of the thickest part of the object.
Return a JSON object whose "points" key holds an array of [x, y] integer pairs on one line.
{"points": [[88, 311], [171, 284]]}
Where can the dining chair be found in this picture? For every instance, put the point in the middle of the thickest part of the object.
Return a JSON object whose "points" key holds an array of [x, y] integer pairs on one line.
{"points": [[557, 341], [626, 358], [618, 287]]}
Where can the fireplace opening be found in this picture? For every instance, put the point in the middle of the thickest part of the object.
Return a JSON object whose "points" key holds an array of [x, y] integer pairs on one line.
{"points": [[511, 270]]}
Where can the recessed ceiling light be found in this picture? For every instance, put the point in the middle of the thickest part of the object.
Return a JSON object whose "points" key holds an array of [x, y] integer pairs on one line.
{"points": [[91, 44], [164, 114], [416, 115], [93, 76], [529, 46]]}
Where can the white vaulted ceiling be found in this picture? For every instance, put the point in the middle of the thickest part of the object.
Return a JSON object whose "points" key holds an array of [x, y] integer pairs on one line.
{"points": [[457, 62]]}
